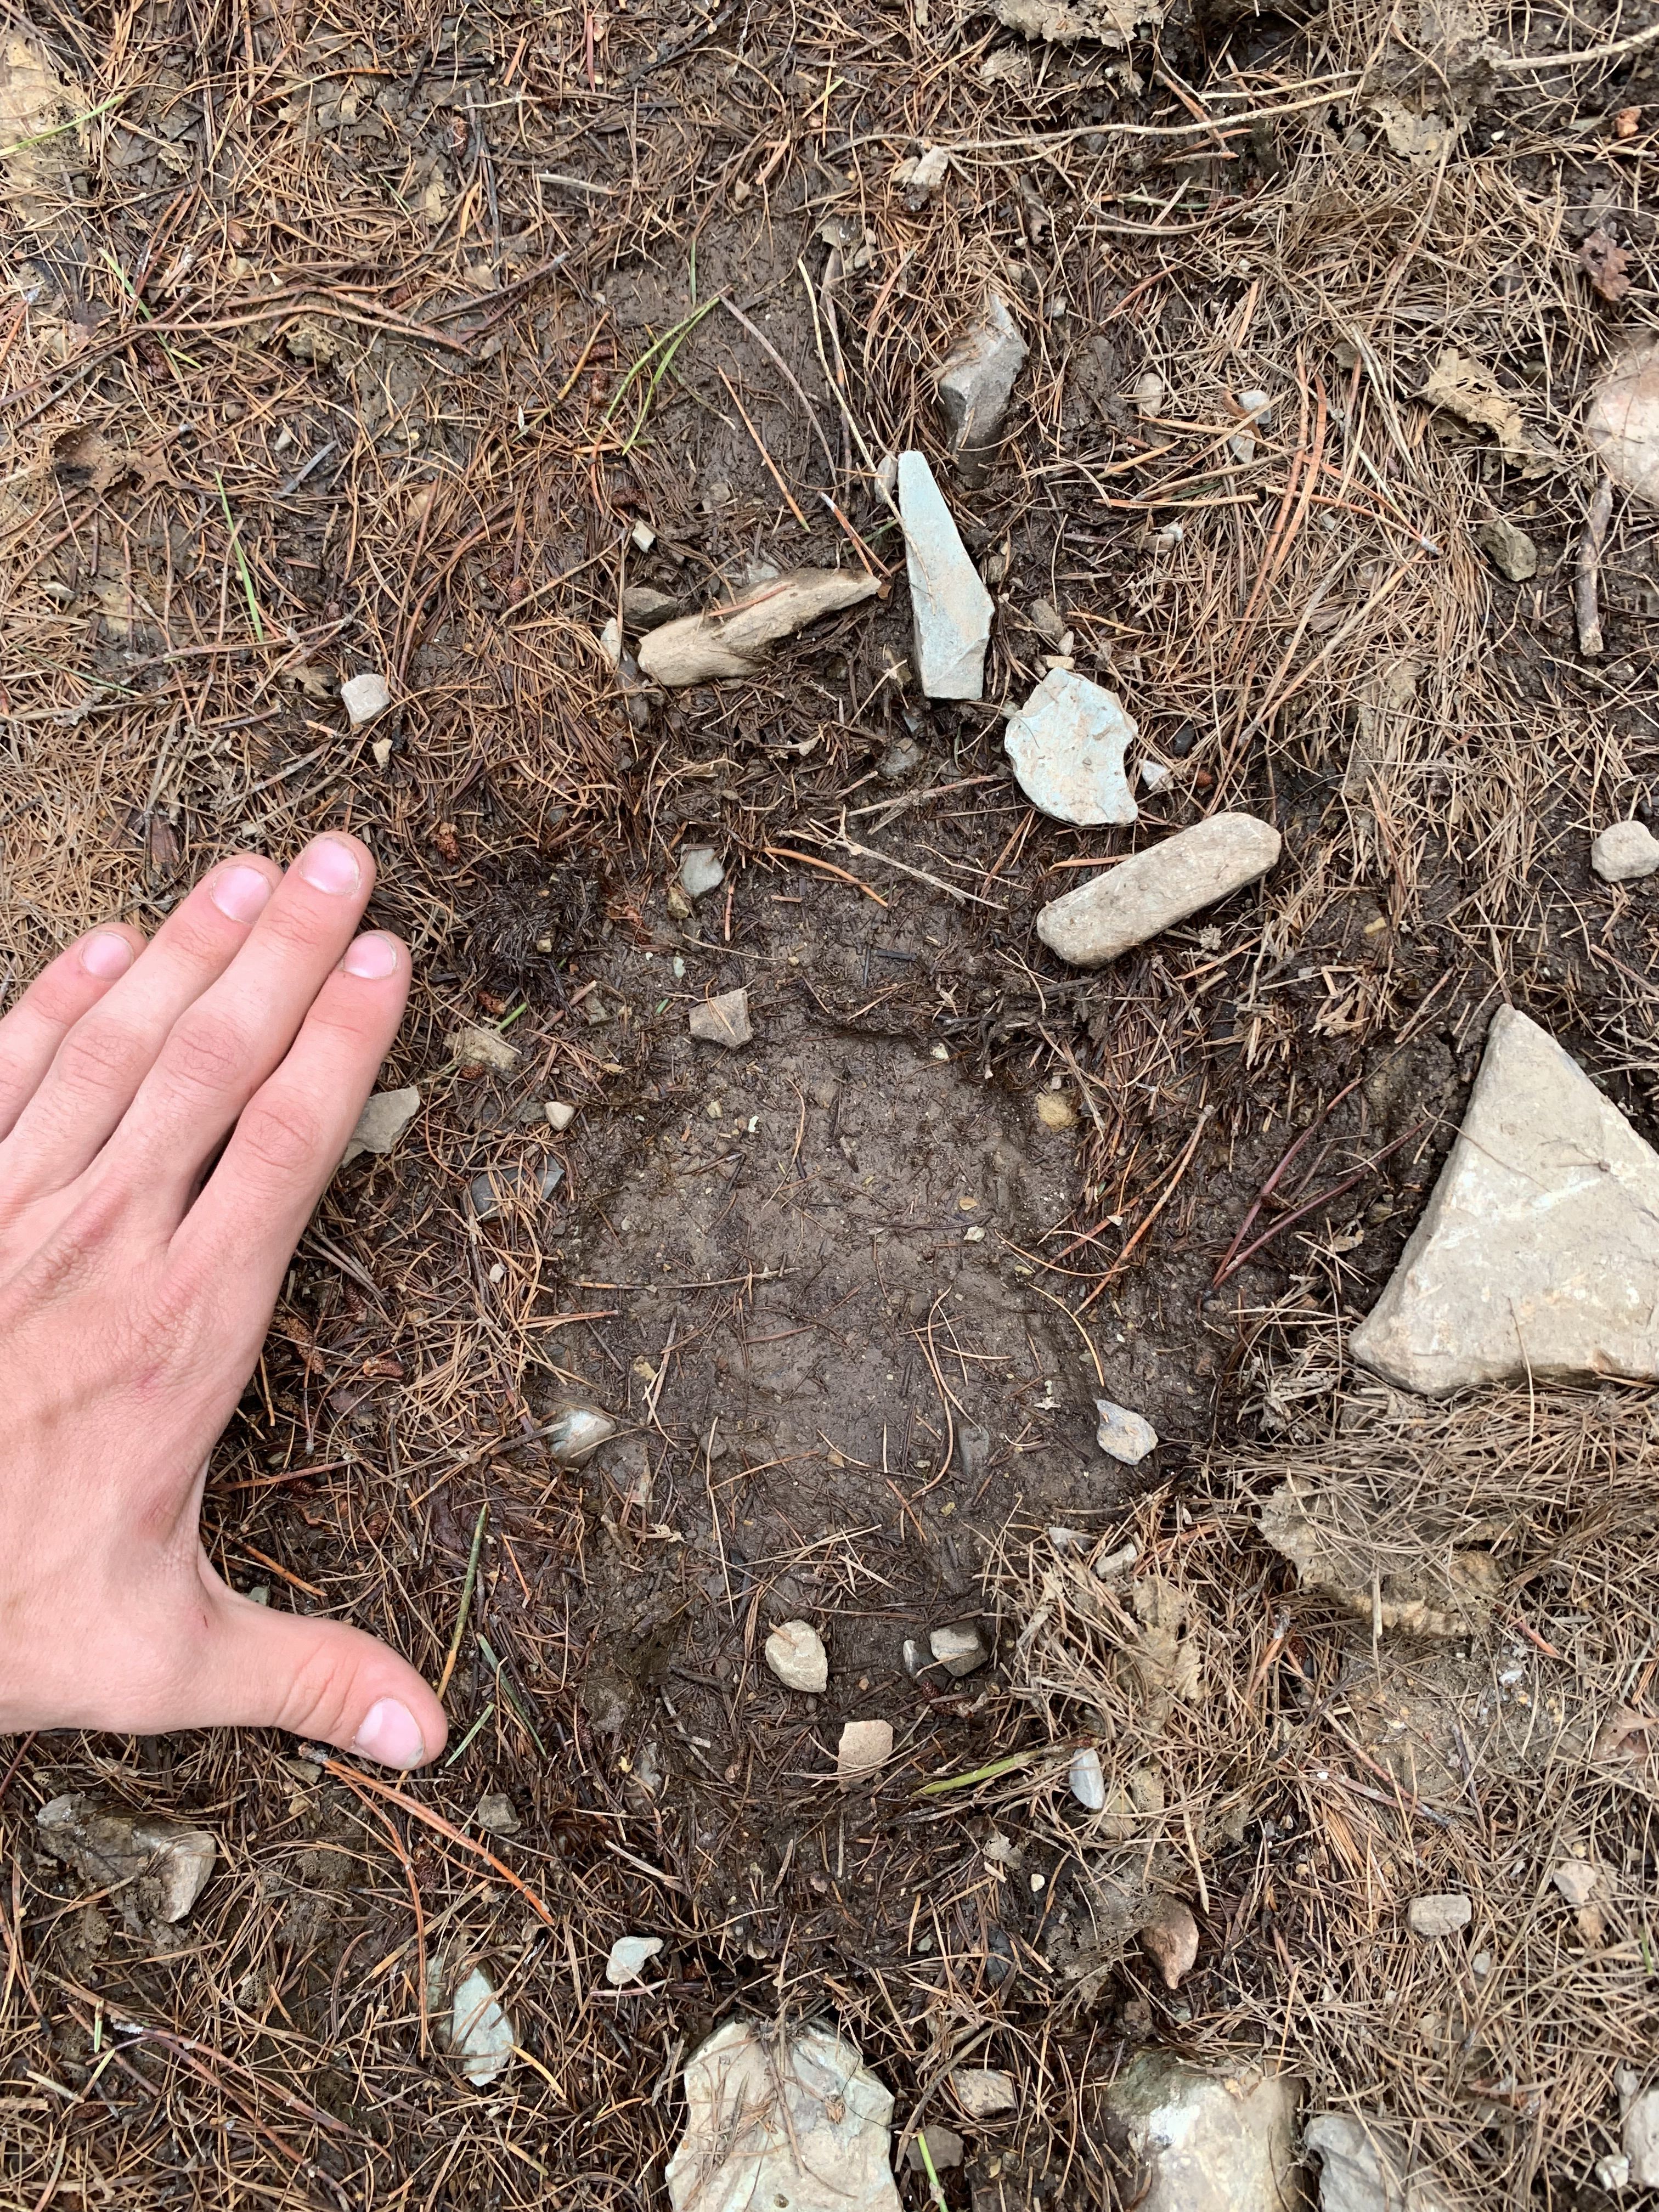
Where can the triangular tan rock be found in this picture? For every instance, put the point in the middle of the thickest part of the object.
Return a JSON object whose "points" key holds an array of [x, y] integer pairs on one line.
{"points": [[1538, 1250]]}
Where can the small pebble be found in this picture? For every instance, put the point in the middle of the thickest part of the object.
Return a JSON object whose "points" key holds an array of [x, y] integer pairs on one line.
{"points": [[1124, 1435], [1154, 775], [944, 2148], [983, 2092], [864, 1748], [795, 1653], [1087, 1779], [959, 1649], [1446, 1914], [363, 697], [498, 1814], [723, 1020], [1056, 1110], [1625, 852], [559, 1116], [629, 1955], [700, 872], [1577, 1881]]}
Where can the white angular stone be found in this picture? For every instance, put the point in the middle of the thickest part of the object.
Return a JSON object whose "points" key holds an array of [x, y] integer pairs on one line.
{"points": [[731, 639], [1067, 744], [864, 1748], [1446, 1912], [480, 2034], [977, 377], [983, 2092], [722, 1020], [959, 1649], [1154, 775], [1641, 2140], [630, 1955], [1577, 1881], [1088, 1780], [498, 1814], [1208, 2142], [381, 1122], [1625, 852], [559, 1116], [949, 605], [1154, 889], [804, 2124], [1365, 2167], [1613, 2174], [795, 1653], [1538, 1252], [700, 872], [1122, 1435], [364, 696]]}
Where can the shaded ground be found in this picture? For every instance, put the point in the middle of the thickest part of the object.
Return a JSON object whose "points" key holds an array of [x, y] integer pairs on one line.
{"points": [[404, 371]]}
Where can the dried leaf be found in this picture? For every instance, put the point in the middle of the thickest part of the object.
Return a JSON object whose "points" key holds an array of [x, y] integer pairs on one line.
{"points": [[1468, 389], [1604, 261]]}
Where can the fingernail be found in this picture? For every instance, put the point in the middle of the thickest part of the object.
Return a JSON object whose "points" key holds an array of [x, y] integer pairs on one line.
{"points": [[106, 955], [390, 1735], [241, 893], [329, 865], [372, 956]]}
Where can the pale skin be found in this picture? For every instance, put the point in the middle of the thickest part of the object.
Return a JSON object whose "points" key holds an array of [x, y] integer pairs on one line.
{"points": [[170, 1113]]}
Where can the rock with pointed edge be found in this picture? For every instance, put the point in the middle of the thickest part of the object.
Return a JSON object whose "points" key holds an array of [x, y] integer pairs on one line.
{"points": [[629, 1956], [481, 2034], [977, 377], [1208, 2142], [364, 696], [381, 1122], [950, 606], [1124, 1435], [1538, 1252], [864, 1748], [722, 1020]]}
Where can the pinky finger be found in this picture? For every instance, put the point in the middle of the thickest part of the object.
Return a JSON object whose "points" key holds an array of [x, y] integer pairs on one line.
{"points": [[73, 983]]}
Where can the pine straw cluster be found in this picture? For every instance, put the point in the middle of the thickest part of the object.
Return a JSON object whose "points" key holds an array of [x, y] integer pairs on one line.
{"points": [[1300, 1771]]}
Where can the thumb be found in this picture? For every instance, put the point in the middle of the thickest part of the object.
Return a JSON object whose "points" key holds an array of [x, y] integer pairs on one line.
{"points": [[321, 1679]]}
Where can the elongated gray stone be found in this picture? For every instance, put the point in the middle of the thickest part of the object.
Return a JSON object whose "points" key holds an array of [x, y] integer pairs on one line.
{"points": [[1066, 744], [1538, 1252], [1154, 889], [949, 605]]}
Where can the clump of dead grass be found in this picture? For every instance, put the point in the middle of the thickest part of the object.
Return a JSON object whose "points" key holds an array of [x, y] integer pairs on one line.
{"points": [[1450, 1689]]}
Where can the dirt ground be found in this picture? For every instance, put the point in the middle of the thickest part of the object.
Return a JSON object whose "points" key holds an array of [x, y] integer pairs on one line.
{"points": [[378, 339]]}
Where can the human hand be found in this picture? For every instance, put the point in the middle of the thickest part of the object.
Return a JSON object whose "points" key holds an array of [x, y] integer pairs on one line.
{"points": [[139, 1265]]}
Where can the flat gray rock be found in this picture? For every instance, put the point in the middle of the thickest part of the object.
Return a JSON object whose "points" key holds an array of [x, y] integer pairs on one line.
{"points": [[1067, 744], [1208, 2142], [1156, 889], [949, 605], [1124, 1435], [700, 872], [977, 377], [1625, 852], [364, 697], [1538, 1252], [382, 1122], [723, 1020], [1365, 2165], [959, 1649], [803, 2123], [1508, 547]]}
